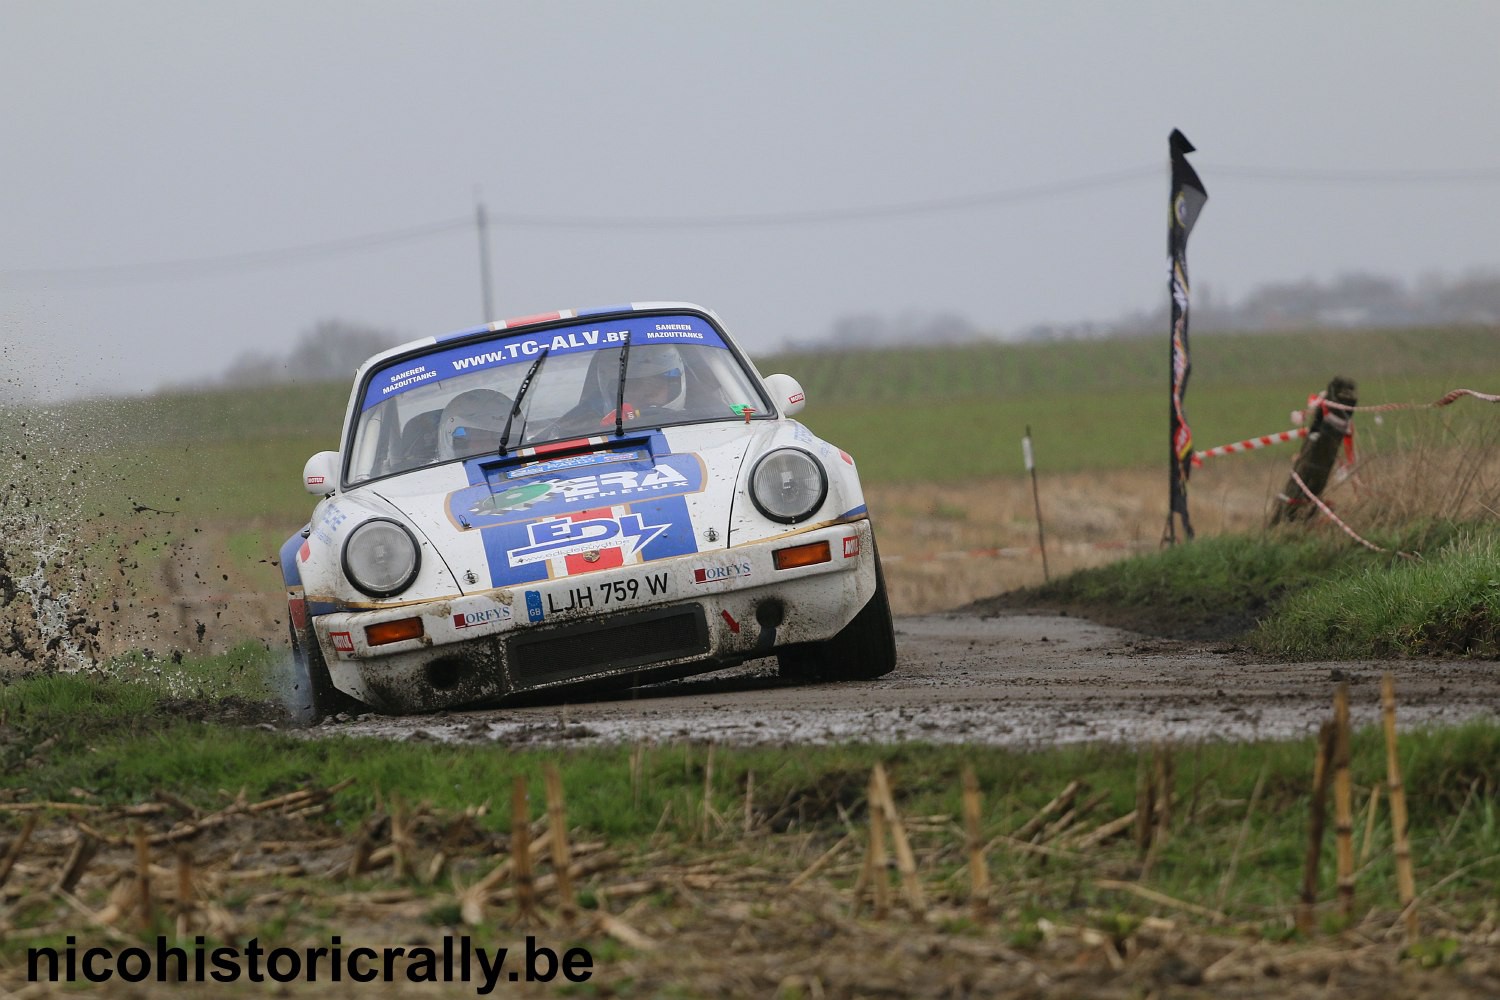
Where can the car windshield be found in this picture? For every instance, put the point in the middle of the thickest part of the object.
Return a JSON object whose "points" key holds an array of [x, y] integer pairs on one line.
{"points": [[454, 402]]}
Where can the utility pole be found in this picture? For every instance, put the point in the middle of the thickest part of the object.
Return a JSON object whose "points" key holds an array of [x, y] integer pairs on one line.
{"points": [[482, 221]]}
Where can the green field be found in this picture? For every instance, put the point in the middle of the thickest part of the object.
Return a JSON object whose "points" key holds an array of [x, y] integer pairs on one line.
{"points": [[1009, 371], [934, 414], [1103, 404]]}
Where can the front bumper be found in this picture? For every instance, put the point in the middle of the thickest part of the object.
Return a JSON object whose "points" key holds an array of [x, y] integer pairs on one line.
{"points": [[689, 614]]}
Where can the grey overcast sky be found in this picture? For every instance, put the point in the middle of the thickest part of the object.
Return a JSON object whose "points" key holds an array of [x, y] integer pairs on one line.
{"points": [[184, 181]]}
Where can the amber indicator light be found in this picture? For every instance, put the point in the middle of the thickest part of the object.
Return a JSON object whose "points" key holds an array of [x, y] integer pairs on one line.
{"points": [[801, 555], [396, 631]]}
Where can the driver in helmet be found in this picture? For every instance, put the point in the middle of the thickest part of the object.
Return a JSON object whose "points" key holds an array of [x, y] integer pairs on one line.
{"points": [[472, 423], [655, 384]]}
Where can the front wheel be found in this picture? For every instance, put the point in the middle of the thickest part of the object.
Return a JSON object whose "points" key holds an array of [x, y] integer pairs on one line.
{"points": [[313, 697], [863, 650]]}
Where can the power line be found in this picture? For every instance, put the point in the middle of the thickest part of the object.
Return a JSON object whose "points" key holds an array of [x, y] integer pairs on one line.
{"points": [[166, 270], [113, 274], [117, 274], [1476, 175]]}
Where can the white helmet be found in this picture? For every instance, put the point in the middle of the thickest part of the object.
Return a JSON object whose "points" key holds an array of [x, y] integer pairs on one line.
{"points": [[472, 423], [654, 377]]}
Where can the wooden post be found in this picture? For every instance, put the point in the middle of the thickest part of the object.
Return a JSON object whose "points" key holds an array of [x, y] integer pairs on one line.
{"points": [[400, 838], [878, 872], [906, 862], [1165, 775], [1319, 813], [1371, 808], [143, 876], [637, 754], [1159, 782], [84, 849], [520, 849], [872, 873], [1319, 452], [1145, 803], [13, 851], [1406, 885], [979, 871], [1343, 801], [184, 892], [749, 802], [561, 854], [708, 792], [364, 844]]}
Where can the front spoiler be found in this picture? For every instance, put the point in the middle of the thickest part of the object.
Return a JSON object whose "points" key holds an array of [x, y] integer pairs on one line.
{"points": [[690, 614]]}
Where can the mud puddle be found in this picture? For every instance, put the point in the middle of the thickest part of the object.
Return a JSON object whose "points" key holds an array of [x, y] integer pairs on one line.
{"points": [[1015, 680]]}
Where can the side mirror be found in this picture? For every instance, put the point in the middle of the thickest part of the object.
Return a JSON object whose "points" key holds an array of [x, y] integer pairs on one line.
{"points": [[787, 394], [321, 473]]}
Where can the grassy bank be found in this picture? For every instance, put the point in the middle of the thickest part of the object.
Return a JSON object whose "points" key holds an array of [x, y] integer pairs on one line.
{"points": [[1307, 594], [1447, 602]]}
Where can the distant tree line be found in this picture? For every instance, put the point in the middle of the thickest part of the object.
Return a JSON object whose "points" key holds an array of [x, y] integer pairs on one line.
{"points": [[333, 349], [874, 330], [1348, 301], [330, 351]]}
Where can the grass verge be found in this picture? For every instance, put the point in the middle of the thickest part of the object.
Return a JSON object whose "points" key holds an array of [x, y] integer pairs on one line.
{"points": [[1297, 594], [1445, 603]]}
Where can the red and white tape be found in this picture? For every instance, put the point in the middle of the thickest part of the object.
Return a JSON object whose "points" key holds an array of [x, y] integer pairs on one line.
{"points": [[1328, 513], [1450, 397], [1265, 440], [1250, 444]]}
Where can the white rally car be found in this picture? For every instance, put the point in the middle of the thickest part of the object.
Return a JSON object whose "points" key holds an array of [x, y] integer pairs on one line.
{"points": [[612, 495]]}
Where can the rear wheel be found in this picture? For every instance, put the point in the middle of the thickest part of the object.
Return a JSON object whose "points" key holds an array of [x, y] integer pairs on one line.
{"points": [[313, 697], [863, 650]]}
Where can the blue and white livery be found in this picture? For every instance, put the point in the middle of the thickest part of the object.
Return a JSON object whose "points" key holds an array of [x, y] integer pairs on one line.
{"points": [[605, 496]]}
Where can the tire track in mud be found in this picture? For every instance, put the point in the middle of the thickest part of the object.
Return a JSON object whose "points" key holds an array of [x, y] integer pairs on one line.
{"points": [[1015, 680]]}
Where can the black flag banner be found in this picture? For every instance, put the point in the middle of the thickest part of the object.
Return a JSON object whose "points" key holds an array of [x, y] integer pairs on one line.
{"points": [[1188, 198]]}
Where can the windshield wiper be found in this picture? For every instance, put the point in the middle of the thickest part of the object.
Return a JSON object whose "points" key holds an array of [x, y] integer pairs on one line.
{"points": [[520, 395], [620, 389]]}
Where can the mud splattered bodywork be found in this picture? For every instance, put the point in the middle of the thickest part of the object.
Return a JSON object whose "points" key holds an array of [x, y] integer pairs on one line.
{"points": [[578, 497]]}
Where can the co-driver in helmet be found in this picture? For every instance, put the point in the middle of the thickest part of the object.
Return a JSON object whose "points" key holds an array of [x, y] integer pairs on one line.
{"points": [[472, 423]]}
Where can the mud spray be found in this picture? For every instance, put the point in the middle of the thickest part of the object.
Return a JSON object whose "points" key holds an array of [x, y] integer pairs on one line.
{"points": [[43, 579], [66, 563]]}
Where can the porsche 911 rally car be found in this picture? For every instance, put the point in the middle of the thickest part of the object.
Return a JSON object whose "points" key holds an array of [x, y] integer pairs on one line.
{"points": [[613, 495]]}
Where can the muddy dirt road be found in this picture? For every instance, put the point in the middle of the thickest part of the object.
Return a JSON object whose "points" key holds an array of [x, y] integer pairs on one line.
{"points": [[1011, 679]]}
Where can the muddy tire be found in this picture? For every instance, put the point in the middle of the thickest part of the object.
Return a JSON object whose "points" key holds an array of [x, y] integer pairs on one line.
{"points": [[864, 650], [313, 697]]}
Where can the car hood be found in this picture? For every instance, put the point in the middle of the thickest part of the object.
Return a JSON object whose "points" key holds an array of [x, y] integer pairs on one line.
{"points": [[578, 507]]}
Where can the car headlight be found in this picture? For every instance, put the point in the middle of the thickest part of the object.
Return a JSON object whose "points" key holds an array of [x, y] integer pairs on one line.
{"points": [[381, 557], [787, 485]]}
